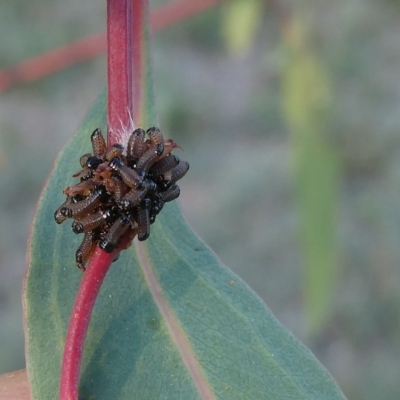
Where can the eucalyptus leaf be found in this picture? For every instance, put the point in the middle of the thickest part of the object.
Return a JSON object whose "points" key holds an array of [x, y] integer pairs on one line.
{"points": [[170, 322], [306, 98]]}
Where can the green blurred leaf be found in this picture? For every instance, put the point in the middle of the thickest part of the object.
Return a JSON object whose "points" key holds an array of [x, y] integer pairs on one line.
{"points": [[242, 351], [306, 101], [240, 22]]}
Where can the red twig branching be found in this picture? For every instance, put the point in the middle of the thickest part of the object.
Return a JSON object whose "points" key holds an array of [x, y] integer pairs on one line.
{"points": [[91, 46]]}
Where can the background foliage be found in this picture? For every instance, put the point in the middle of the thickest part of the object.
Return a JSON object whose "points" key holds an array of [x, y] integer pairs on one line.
{"points": [[227, 103]]}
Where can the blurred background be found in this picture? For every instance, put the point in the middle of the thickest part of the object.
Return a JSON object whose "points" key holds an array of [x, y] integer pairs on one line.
{"points": [[289, 116]]}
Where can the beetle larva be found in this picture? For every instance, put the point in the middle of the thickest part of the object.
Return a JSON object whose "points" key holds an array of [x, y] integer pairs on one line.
{"points": [[143, 219], [165, 164], [171, 194], [115, 150], [132, 198], [91, 221], [118, 228], [93, 162], [85, 206], [156, 139], [179, 171], [84, 158], [146, 161], [128, 175], [136, 145], [61, 214], [85, 249], [117, 186], [98, 143]]}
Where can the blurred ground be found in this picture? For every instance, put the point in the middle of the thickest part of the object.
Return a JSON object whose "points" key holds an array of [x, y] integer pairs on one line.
{"points": [[239, 195]]}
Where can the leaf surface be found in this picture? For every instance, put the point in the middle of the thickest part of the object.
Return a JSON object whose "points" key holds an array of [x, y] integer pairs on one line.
{"points": [[170, 322]]}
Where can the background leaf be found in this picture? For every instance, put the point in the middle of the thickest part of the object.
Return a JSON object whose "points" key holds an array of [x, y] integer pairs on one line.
{"points": [[240, 22], [306, 102], [242, 351]]}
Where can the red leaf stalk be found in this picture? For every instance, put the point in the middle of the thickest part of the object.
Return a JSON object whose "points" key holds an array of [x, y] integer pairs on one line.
{"points": [[119, 115], [119, 68], [79, 322]]}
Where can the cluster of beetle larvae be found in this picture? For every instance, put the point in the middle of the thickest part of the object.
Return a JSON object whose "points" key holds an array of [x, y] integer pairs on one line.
{"points": [[121, 190]]}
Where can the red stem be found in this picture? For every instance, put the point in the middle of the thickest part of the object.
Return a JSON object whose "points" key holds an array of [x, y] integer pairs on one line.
{"points": [[119, 67], [79, 322], [119, 43], [137, 59]]}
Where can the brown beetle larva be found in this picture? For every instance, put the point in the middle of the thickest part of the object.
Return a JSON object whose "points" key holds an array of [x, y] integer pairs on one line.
{"points": [[156, 139], [136, 145], [115, 150], [128, 175], [91, 221], [146, 161], [98, 143], [85, 206], [61, 214]]}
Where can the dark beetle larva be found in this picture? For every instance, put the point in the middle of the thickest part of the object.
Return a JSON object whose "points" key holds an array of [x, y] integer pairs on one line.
{"points": [[171, 194], [85, 249], [143, 220], [179, 171], [164, 165]]}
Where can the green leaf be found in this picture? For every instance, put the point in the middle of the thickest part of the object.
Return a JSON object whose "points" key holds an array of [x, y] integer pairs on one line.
{"points": [[170, 322], [306, 101]]}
